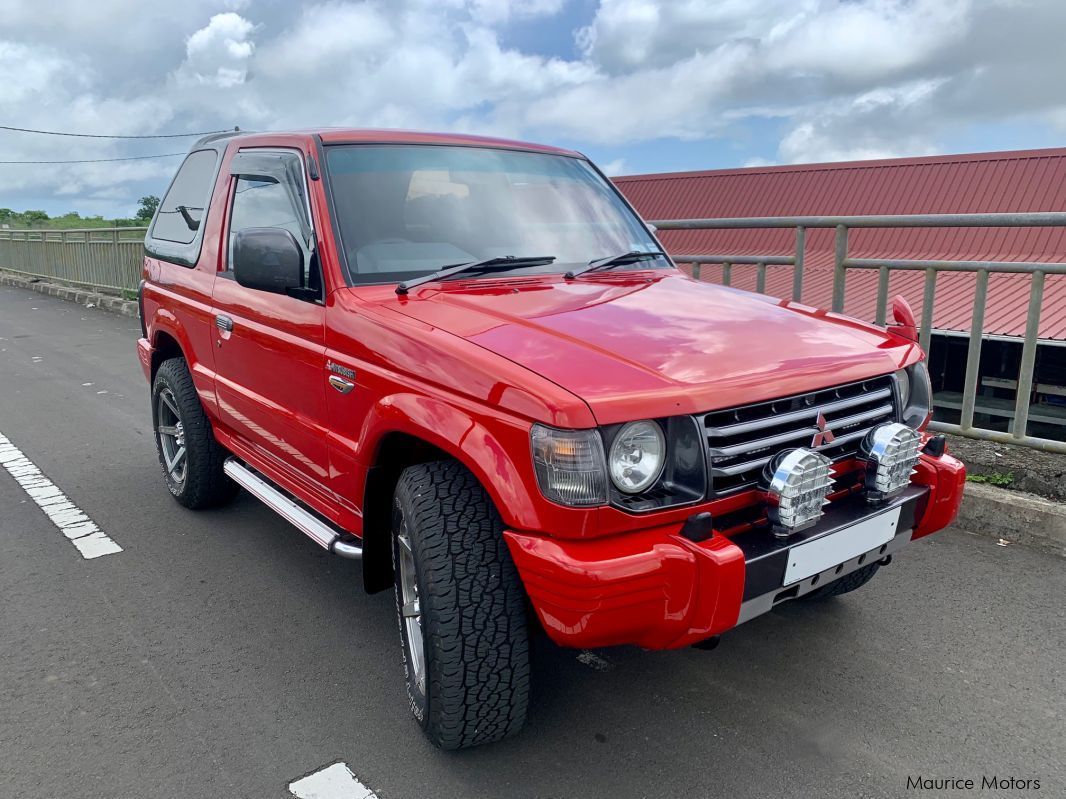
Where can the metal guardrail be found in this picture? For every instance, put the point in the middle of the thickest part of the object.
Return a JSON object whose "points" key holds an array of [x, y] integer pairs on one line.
{"points": [[110, 258], [842, 263], [98, 258]]}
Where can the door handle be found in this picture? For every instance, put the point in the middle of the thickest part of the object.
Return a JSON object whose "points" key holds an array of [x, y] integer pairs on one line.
{"points": [[224, 323], [342, 385]]}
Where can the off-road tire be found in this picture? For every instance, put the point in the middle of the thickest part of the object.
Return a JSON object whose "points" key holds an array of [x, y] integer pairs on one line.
{"points": [[846, 584], [472, 606], [204, 485]]}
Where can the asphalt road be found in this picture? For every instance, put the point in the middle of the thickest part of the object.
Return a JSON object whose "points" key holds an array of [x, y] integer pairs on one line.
{"points": [[222, 654]]}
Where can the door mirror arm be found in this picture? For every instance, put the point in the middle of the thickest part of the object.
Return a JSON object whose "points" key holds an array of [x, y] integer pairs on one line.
{"points": [[304, 293]]}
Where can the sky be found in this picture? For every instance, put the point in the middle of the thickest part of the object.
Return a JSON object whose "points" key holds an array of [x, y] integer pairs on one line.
{"points": [[637, 85]]}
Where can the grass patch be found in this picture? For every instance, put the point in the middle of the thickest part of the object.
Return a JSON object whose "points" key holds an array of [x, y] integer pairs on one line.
{"points": [[992, 479]]}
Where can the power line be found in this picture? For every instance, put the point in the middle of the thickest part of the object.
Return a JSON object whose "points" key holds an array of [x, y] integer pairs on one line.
{"points": [[106, 136], [98, 160]]}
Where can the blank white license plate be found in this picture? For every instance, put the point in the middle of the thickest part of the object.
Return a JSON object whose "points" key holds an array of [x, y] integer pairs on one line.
{"points": [[823, 553]]}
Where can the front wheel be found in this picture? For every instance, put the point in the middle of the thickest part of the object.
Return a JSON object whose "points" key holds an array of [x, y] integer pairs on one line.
{"points": [[461, 609]]}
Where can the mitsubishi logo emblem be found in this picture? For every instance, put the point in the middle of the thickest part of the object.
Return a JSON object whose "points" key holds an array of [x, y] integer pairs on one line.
{"points": [[824, 434]]}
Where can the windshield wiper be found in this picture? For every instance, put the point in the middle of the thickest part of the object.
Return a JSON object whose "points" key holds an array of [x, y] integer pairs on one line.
{"points": [[502, 261], [612, 261]]}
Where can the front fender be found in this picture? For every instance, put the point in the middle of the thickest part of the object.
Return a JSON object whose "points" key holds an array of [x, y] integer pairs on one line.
{"points": [[468, 439]]}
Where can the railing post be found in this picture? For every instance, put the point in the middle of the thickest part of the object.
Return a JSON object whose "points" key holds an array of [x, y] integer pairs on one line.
{"points": [[696, 270], [1028, 364], [840, 254], [760, 277], [973, 354], [727, 273], [797, 267], [882, 296], [928, 298]]}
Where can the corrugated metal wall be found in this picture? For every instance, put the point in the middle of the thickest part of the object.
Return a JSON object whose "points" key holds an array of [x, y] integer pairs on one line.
{"points": [[1033, 180]]}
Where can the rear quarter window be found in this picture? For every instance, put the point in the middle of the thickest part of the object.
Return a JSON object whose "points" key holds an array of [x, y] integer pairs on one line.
{"points": [[177, 229]]}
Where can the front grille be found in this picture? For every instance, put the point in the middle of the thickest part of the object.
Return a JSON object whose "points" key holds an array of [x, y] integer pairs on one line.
{"points": [[741, 441]]}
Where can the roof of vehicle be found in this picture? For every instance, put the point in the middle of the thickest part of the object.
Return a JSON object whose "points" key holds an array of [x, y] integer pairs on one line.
{"points": [[1025, 180], [387, 136]]}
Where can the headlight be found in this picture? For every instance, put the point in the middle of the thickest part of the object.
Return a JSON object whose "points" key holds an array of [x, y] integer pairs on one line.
{"points": [[915, 394], [637, 457], [569, 465], [903, 380]]}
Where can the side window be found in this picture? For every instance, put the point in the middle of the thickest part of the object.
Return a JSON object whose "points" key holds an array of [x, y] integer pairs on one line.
{"points": [[277, 200], [182, 210]]}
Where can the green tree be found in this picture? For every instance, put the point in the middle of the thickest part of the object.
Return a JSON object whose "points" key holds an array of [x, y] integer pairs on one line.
{"points": [[34, 217], [147, 208]]}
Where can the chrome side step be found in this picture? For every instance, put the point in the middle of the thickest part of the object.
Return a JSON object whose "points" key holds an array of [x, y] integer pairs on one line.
{"points": [[301, 518]]}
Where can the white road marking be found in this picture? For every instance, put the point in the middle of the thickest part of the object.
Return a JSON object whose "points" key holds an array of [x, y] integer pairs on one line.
{"points": [[91, 541], [332, 782]]}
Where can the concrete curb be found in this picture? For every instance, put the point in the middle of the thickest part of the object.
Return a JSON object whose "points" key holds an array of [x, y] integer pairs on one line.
{"points": [[104, 302], [1014, 516]]}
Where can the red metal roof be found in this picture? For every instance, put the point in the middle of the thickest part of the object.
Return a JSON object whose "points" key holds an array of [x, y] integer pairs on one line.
{"points": [[1028, 180]]}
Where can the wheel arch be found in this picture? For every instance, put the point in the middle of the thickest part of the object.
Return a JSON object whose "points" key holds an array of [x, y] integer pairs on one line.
{"points": [[395, 452], [164, 347], [168, 339], [407, 430]]}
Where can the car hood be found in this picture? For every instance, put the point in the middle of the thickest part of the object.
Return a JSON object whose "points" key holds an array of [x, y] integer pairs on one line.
{"points": [[651, 344]]}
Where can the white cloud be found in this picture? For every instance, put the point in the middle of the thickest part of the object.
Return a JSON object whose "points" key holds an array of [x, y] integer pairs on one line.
{"points": [[219, 52], [854, 44], [837, 79], [881, 123], [615, 167]]}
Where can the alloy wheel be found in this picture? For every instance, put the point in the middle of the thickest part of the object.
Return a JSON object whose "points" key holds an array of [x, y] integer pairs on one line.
{"points": [[411, 609], [171, 434]]}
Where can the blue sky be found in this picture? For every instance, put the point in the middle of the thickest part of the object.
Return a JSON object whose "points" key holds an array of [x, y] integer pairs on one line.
{"points": [[638, 85]]}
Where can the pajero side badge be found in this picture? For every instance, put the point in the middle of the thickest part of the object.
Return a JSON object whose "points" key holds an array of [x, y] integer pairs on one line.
{"points": [[343, 371]]}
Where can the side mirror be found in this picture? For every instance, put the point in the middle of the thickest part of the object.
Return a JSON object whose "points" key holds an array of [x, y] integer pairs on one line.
{"points": [[268, 259]]}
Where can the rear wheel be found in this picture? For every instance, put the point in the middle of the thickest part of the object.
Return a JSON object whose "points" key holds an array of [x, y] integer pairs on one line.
{"points": [[461, 609], [190, 457], [846, 584]]}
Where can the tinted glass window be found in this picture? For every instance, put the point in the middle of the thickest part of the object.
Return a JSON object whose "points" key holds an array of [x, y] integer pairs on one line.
{"points": [[182, 210], [405, 210], [268, 202]]}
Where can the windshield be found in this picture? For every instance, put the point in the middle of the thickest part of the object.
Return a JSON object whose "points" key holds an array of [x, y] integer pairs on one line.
{"points": [[408, 210]]}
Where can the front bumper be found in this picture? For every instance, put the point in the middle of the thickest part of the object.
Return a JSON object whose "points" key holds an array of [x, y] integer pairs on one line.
{"points": [[659, 590]]}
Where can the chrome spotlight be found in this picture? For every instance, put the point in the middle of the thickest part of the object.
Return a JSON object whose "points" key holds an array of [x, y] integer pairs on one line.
{"points": [[890, 452], [797, 483]]}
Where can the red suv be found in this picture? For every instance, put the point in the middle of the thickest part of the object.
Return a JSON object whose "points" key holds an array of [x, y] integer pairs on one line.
{"points": [[469, 363]]}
